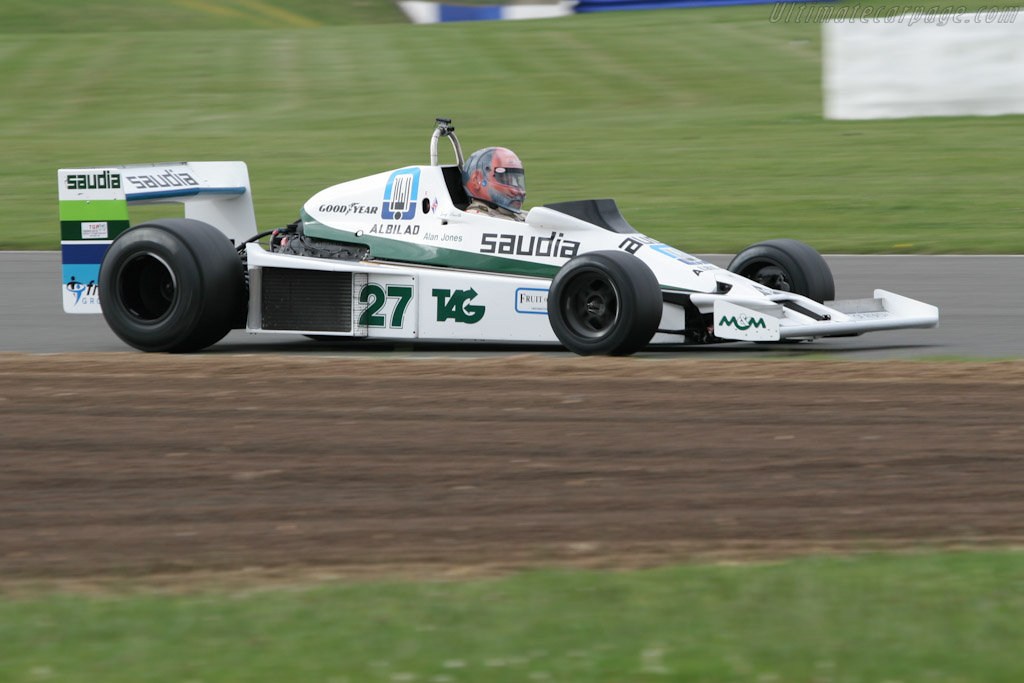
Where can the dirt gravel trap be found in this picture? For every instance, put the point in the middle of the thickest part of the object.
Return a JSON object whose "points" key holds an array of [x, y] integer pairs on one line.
{"points": [[127, 466]]}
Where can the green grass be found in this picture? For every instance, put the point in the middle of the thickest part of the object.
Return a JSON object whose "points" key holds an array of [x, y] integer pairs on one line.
{"points": [[67, 16], [705, 124], [939, 617]]}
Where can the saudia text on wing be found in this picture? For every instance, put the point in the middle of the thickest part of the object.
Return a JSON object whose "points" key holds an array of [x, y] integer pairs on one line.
{"points": [[523, 245], [168, 178], [94, 181]]}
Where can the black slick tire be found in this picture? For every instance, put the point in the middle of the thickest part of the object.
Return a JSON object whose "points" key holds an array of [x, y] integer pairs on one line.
{"points": [[605, 303], [787, 265], [174, 285]]}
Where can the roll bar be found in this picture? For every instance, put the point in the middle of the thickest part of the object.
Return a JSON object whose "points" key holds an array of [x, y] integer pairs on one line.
{"points": [[445, 129]]}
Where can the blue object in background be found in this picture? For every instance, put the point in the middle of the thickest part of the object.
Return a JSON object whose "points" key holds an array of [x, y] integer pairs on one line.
{"points": [[586, 6], [466, 13], [434, 12]]}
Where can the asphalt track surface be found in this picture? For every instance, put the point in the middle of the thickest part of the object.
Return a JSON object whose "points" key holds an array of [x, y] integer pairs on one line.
{"points": [[979, 300]]}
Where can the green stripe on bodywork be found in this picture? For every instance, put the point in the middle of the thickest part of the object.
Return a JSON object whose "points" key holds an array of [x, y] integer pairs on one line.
{"points": [[396, 250], [72, 230], [94, 210]]}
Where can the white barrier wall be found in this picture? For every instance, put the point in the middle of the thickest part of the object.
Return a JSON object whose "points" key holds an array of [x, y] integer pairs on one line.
{"points": [[422, 12], [951, 63]]}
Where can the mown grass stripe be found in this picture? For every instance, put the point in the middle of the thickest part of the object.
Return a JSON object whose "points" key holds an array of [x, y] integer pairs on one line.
{"points": [[205, 6], [142, 16], [279, 14]]}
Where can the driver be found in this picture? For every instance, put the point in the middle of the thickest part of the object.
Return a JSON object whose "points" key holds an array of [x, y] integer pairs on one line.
{"points": [[495, 181]]}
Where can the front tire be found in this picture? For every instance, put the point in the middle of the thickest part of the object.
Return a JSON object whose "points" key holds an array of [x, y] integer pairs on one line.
{"points": [[174, 285], [605, 303], [788, 266]]}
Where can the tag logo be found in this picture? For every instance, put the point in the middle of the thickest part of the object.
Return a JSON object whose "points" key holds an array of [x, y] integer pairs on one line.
{"points": [[455, 306]]}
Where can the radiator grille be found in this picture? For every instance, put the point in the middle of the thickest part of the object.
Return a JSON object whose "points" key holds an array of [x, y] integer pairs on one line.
{"points": [[306, 300]]}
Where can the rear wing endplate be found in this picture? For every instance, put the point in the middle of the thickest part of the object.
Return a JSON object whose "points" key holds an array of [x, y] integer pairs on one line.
{"points": [[94, 211]]}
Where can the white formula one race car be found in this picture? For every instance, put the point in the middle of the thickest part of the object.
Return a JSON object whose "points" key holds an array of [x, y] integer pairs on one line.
{"points": [[396, 256]]}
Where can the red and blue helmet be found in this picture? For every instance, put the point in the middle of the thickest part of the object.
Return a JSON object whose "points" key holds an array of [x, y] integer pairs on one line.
{"points": [[495, 175]]}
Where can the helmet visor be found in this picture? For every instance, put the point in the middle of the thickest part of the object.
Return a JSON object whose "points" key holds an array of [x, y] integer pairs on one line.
{"points": [[514, 177]]}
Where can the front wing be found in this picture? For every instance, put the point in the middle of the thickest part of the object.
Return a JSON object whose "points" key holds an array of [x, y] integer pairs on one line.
{"points": [[785, 316]]}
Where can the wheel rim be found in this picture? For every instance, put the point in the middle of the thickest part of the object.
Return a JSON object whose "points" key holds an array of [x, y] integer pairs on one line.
{"points": [[591, 304], [147, 288], [769, 275]]}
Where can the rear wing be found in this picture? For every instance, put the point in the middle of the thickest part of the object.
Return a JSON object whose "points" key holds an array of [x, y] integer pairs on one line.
{"points": [[94, 211]]}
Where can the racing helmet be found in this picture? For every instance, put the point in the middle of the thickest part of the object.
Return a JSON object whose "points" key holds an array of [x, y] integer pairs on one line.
{"points": [[495, 175]]}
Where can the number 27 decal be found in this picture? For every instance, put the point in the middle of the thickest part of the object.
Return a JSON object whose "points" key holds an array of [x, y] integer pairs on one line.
{"points": [[375, 298]]}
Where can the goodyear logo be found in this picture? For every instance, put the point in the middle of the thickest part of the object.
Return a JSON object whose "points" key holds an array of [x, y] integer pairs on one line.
{"points": [[742, 323]]}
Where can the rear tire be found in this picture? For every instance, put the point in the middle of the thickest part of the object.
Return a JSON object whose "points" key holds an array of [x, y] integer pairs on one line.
{"points": [[787, 265], [174, 285], [605, 303]]}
